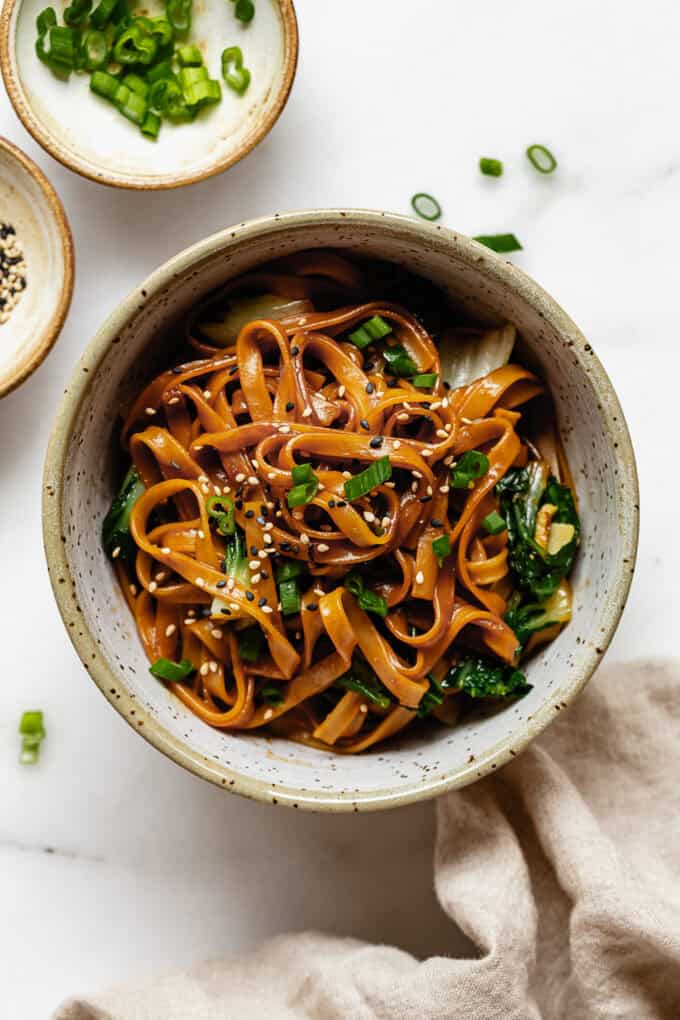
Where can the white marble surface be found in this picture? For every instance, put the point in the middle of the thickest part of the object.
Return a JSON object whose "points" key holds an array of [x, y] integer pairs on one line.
{"points": [[149, 867]]}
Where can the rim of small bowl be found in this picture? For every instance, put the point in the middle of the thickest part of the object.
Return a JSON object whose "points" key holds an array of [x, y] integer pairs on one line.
{"points": [[135, 182], [25, 366], [63, 582]]}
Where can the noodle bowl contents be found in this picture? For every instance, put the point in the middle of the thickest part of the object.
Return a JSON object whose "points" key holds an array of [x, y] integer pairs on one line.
{"points": [[342, 514]]}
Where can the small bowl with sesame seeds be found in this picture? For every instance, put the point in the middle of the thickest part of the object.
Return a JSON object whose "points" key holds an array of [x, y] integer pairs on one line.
{"points": [[115, 383], [36, 266]]}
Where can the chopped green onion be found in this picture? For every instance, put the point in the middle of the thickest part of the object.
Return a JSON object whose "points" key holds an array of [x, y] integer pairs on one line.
{"points": [[77, 12], [130, 104], [32, 732], [179, 14], [491, 167], [378, 472], [302, 473], [473, 464], [222, 509], [354, 583], [289, 596], [189, 55], [166, 669], [299, 495], [399, 361], [250, 642], [161, 30], [441, 547], [95, 50], [493, 523], [102, 14], [425, 380], [61, 56], [374, 328], [427, 207], [271, 694], [136, 84], [499, 242], [135, 45], [151, 125], [541, 159], [105, 85], [245, 10], [198, 87], [235, 75], [236, 557], [288, 569], [163, 69]]}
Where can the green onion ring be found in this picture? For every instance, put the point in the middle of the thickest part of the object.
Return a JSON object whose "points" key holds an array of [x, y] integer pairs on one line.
{"points": [[426, 206]]}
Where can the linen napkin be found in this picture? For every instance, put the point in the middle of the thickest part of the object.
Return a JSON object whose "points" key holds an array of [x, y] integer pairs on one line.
{"points": [[563, 869]]}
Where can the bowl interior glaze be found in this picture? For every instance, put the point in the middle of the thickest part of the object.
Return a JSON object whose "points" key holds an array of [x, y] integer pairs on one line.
{"points": [[81, 475]]}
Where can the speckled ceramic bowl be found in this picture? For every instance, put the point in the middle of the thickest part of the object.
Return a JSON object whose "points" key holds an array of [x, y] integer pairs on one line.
{"points": [[80, 480], [88, 135], [29, 203]]}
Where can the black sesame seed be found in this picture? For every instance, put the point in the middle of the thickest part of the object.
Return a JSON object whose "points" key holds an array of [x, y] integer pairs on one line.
{"points": [[233, 370], [312, 607], [285, 546], [436, 523], [250, 596], [264, 575], [370, 387], [253, 550], [341, 502], [262, 601], [391, 383], [295, 351], [239, 504], [227, 612], [220, 584], [331, 503], [177, 370], [425, 499], [376, 442], [249, 514], [364, 424], [290, 405]]}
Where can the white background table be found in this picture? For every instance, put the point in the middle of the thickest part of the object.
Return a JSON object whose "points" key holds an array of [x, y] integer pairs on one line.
{"points": [[114, 860]]}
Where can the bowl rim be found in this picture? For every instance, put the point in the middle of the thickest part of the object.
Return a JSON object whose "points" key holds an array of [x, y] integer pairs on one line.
{"points": [[24, 366], [63, 583], [159, 182]]}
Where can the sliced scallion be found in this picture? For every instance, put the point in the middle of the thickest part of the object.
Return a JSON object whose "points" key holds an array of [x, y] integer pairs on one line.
{"points": [[472, 465], [221, 508], [370, 478], [289, 596], [494, 523], [499, 242], [398, 361], [288, 569], [373, 329], [491, 167], [32, 731], [426, 206], [441, 547], [235, 75], [425, 380], [541, 159]]}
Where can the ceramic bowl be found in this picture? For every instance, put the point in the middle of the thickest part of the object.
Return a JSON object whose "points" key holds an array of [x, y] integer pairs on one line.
{"points": [[29, 203], [80, 480], [88, 135]]}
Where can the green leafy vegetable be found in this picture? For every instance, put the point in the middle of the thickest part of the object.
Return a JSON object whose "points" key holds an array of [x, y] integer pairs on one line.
{"points": [[398, 361], [362, 680], [250, 644], [166, 669], [271, 694], [116, 526], [522, 492], [236, 557], [527, 618], [305, 485], [432, 697], [367, 600], [480, 677], [472, 465], [289, 596], [370, 478]]}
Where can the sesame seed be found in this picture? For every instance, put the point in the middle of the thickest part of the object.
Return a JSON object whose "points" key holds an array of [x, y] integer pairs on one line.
{"points": [[425, 499], [385, 522], [170, 630], [307, 413], [255, 578], [376, 442], [250, 596], [254, 564], [133, 589], [448, 427], [436, 523], [262, 554], [116, 553], [268, 609], [369, 516], [364, 424], [199, 582], [234, 606], [397, 444], [269, 713], [150, 411], [435, 405], [267, 538], [217, 490], [252, 480], [207, 394], [161, 575], [341, 391], [250, 514], [220, 584], [429, 490], [295, 351], [217, 634], [173, 400], [416, 474], [312, 607], [414, 486], [230, 583], [268, 526], [304, 538], [240, 477], [200, 533], [426, 453], [204, 669], [318, 591], [444, 489], [441, 433], [284, 429], [188, 621], [445, 402], [271, 475], [448, 461], [420, 577], [152, 586], [191, 612], [370, 387], [213, 666], [402, 416], [262, 601], [346, 474], [363, 708]]}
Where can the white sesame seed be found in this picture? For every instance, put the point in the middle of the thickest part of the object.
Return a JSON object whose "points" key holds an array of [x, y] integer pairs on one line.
{"points": [[151, 411], [426, 453], [402, 416], [414, 486], [341, 391], [200, 533], [165, 549], [435, 405], [152, 586], [385, 522], [322, 547], [133, 589], [213, 666], [445, 402], [448, 426], [188, 621], [318, 591], [444, 489], [256, 578], [304, 538], [397, 444], [267, 609], [441, 433], [216, 633], [230, 583], [203, 478], [267, 539], [269, 713], [234, 606], [416, 474], [346, 474], [191, 612], [254, 564], [268, 526], [218, 491], [199, 582], [467, 421], [284, 429], [390, 485], [269, 505], [173, 400], [420, 577], [170, 630], [226, 489], [369, 516], [204, 669], [262, 554], [205, 489], [363, 708], [116, 553], [271, 475], [307, 413], [429, 490], [252, 480], [240, 477], [207, 394], [161, 575], [448, 461]]}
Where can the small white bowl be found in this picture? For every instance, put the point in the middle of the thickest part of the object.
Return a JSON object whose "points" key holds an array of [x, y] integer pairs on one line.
{"points": [[90, 136], [29, 202], [80, 479]]}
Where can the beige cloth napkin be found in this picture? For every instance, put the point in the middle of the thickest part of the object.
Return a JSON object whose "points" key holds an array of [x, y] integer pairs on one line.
{"points": [[563, 869]]}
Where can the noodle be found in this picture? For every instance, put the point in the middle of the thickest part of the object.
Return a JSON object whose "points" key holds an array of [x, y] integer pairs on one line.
{"points": [[270, 591]]}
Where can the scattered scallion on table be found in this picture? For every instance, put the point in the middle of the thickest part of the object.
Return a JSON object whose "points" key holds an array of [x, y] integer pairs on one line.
{"points": [[426, 206], [32, 731], [499, 242], [491, 167], [541, 159]]}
